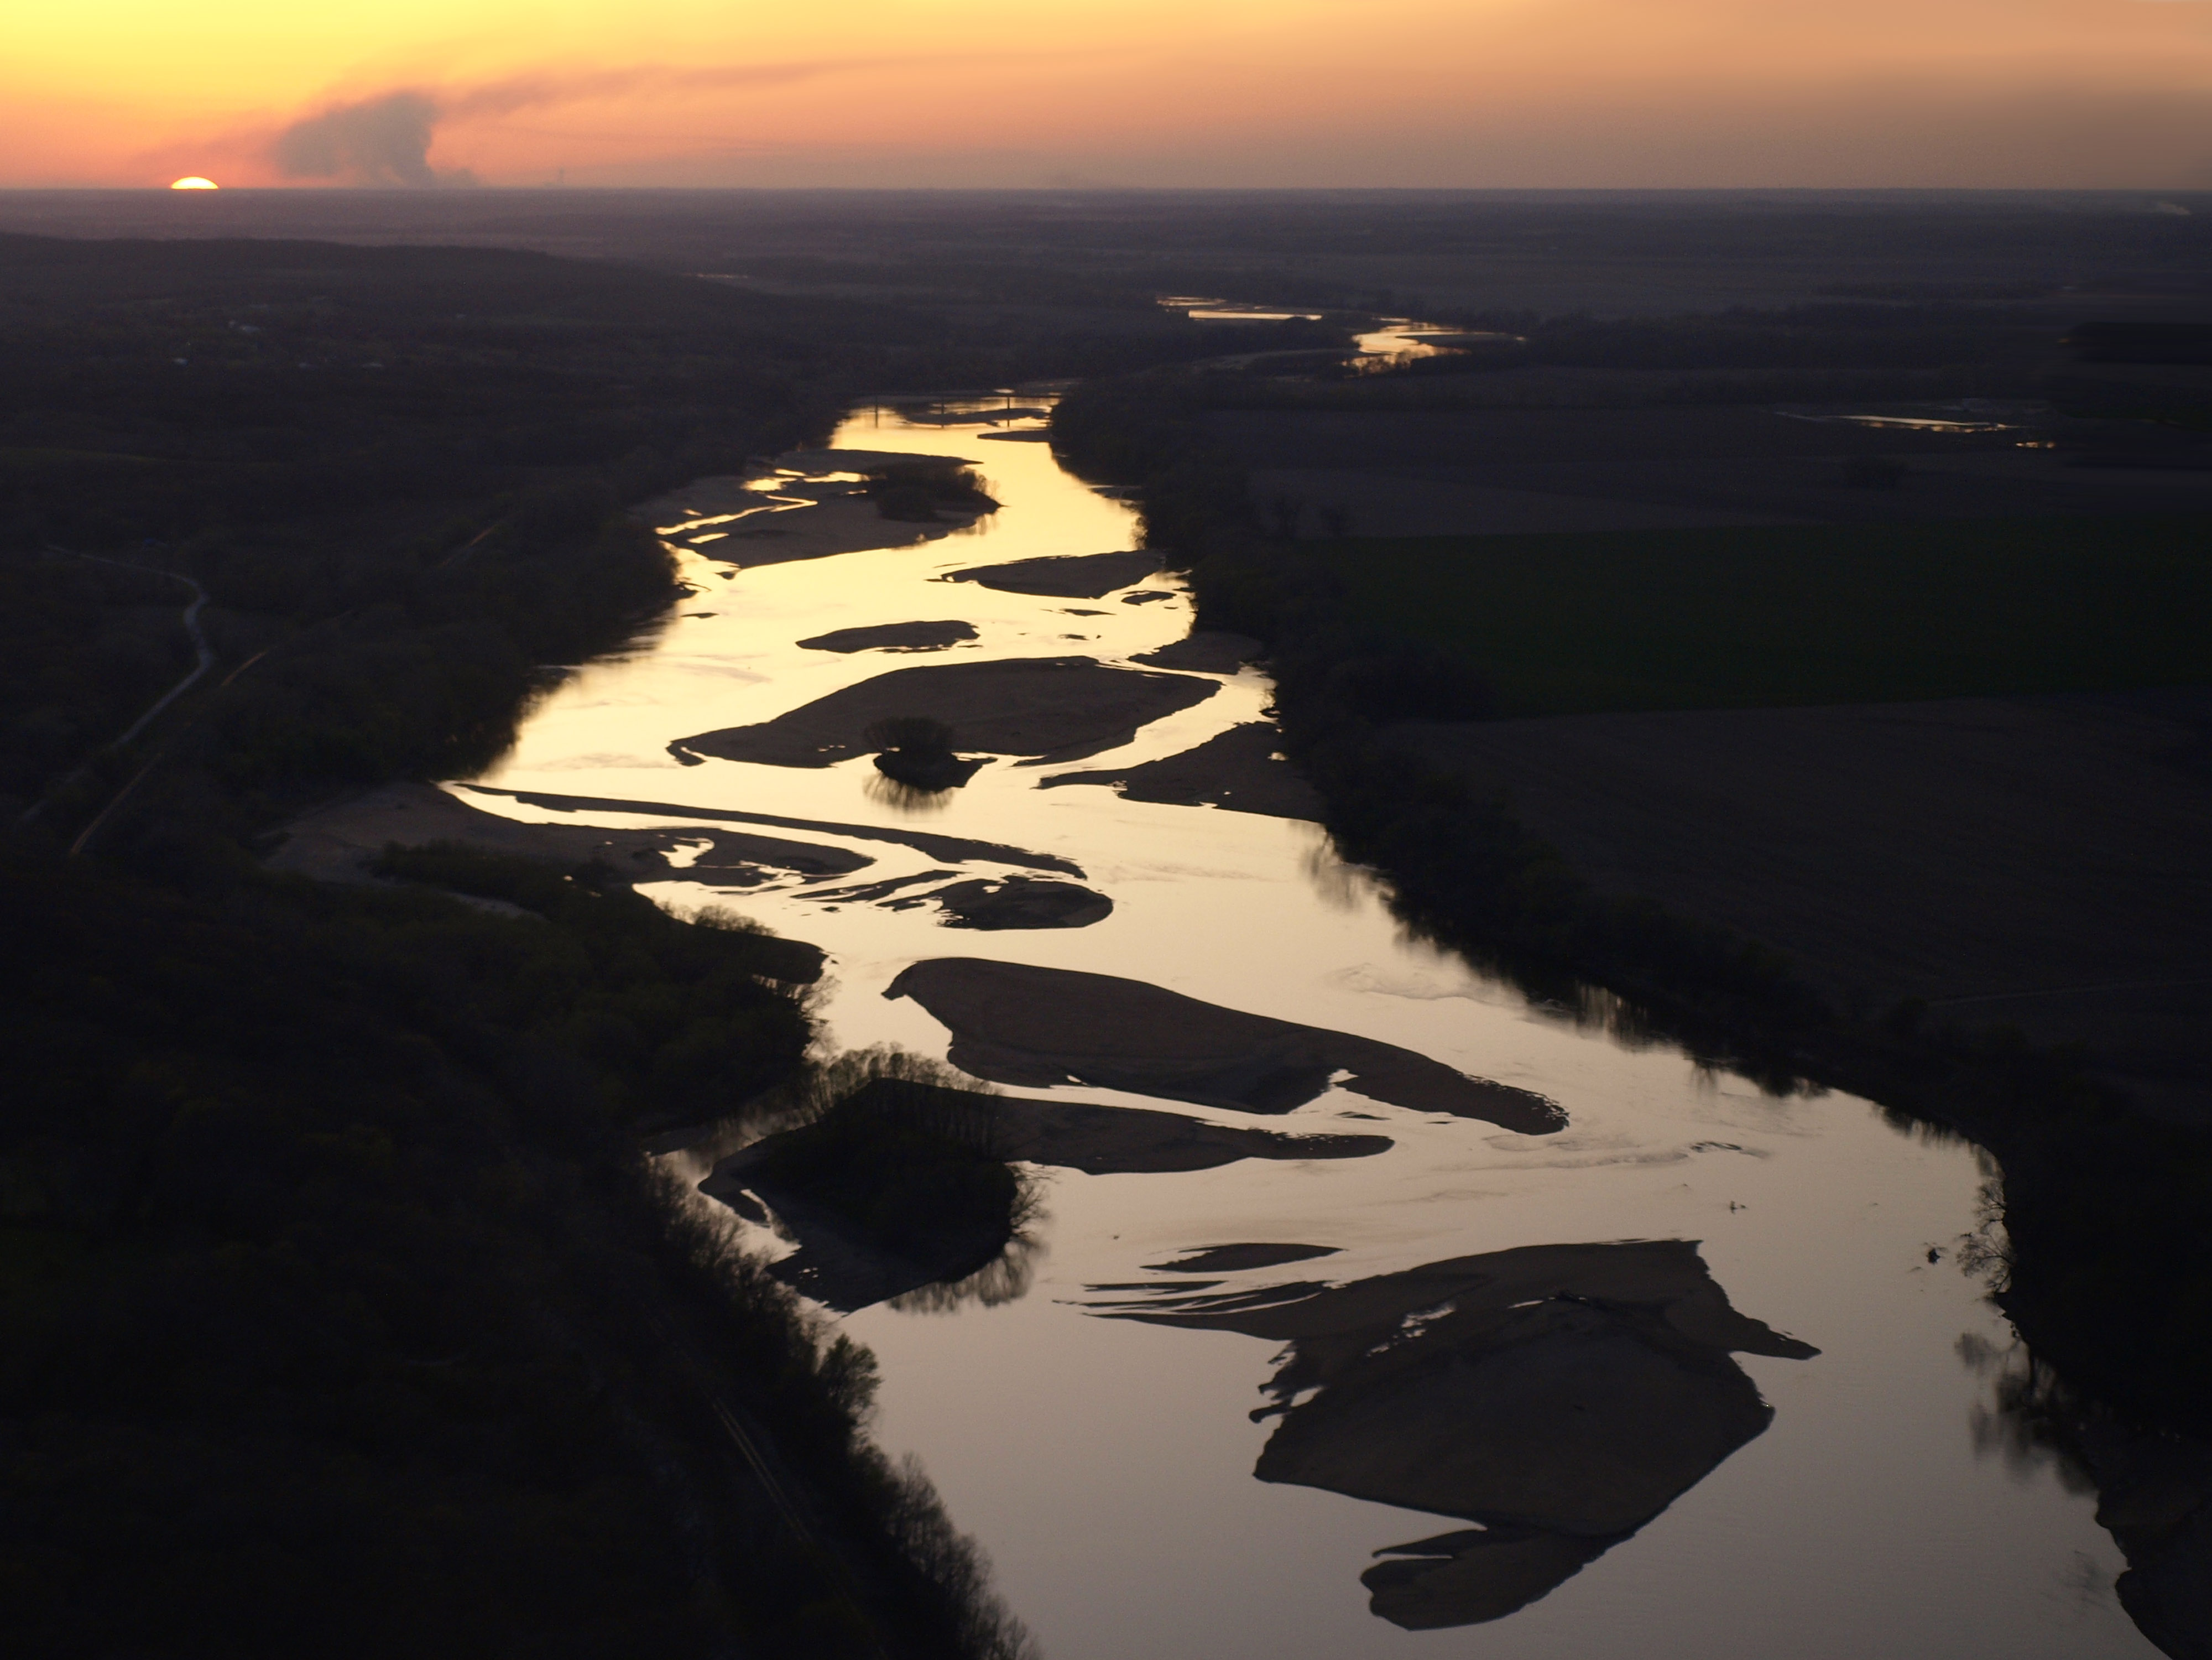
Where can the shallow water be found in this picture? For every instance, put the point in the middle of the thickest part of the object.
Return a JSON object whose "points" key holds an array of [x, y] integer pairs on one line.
{"points": [[1106, 1465]]}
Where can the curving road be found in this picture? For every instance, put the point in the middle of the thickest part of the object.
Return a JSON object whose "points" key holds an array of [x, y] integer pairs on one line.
{"points": [[204, 654]]}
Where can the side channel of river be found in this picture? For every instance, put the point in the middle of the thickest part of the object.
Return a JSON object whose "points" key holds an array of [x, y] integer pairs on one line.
{"points": [[1725, 1248]]}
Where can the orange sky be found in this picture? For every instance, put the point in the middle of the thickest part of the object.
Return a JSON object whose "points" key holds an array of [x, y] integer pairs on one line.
{"points": [[1133, 92]]}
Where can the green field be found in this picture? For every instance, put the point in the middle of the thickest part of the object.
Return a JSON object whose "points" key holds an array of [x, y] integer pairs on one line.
{"points": [[1768, 615]]}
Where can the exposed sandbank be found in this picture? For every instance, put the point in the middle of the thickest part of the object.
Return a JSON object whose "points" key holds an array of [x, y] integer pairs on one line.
{"points": [[892, 637], [1014, 902], [338, 842], [955, 849], [1053, 708], [839, 1265], [841, 519], [1120, 1140], [1237, 1259], [1062, 576], [1241, 770], [1102, 1140], [1560, 1395], [818, 462], [1016, 1024], [847, 525], [1021, 902]]}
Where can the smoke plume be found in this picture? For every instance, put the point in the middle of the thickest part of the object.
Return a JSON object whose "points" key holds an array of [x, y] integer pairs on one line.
{"points": [[378, 141], [385, 139]]}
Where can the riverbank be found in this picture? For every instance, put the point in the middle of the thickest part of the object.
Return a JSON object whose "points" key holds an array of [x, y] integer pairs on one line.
{"points": [[2098, 1256], [367, 1172], [1241, 963]]}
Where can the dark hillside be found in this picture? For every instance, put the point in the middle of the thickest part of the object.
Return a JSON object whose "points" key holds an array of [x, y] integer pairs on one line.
{"points": [[335, 1315], [337, 1309]]}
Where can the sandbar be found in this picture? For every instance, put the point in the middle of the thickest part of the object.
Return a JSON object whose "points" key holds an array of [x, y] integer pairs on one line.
{"points": [[841, 519], [1559, 1395], [845, 524], [1052, 708], [1063, 576], [338, 843], [1013, 902], [955, 849], [1102, 1140], [892, 637], [1241, 770], [1120, 1140], [839, 1265], [821, 461], [1021, 902], [1237, 1259], [1017, 1024]]}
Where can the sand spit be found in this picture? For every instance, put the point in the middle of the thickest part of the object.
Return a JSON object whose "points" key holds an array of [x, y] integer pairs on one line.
{"points": [[1205, 652], [842, 1269], [337, 842], [1559, 1395], [1122, 1140], [892, 637], [1038, 1027], [1237, 1259], [1063, 576], [1241, 770], [751, 519], [842, 524], [1102, 1140], [954, 849], [1052, 708], [816, 462], [1021, 902]]}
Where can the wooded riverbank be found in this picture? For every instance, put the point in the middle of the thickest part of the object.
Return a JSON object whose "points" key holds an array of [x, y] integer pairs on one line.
{"points": [[2094, 1252], [341, 1310]]}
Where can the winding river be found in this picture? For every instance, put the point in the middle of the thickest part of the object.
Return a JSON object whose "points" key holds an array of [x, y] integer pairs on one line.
{"points": [[1538, 1358]]}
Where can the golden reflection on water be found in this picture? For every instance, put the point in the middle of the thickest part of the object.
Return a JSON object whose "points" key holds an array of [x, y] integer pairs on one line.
{"points": [[1107, 1466]]}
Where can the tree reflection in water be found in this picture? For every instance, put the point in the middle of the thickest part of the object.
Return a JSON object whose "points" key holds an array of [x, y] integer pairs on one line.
{"points": [[2154, 1488], [1557, 1396], [1004, 1280]]}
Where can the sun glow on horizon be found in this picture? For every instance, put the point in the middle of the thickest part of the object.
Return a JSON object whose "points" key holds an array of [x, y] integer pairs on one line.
{"points": [[1549, 94]]}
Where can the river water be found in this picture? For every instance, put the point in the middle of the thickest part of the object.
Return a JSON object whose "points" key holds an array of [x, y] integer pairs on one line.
{"points": [[1106, 1464]]}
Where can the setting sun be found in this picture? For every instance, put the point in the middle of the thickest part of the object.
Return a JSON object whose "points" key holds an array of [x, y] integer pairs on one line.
{"points": [[195, 182]]}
